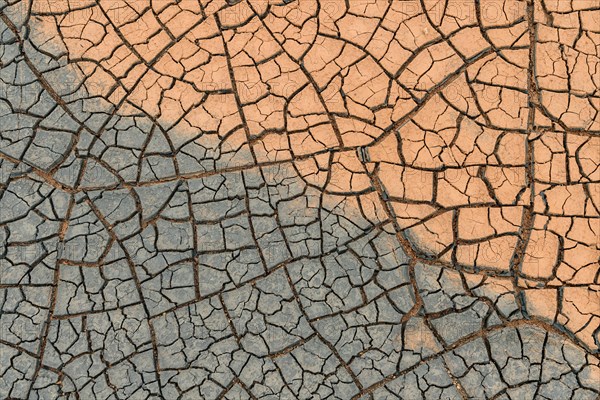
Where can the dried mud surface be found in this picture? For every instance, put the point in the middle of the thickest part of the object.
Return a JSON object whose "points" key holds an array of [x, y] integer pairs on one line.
{"points": [[299, 199]]}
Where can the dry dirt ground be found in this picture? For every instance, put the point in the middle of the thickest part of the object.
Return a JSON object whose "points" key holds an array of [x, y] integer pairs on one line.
{"points": [[299, 199]]}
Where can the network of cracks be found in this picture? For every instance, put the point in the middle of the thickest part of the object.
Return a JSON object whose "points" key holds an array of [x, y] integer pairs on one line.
{"points": [[299, 199]]}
